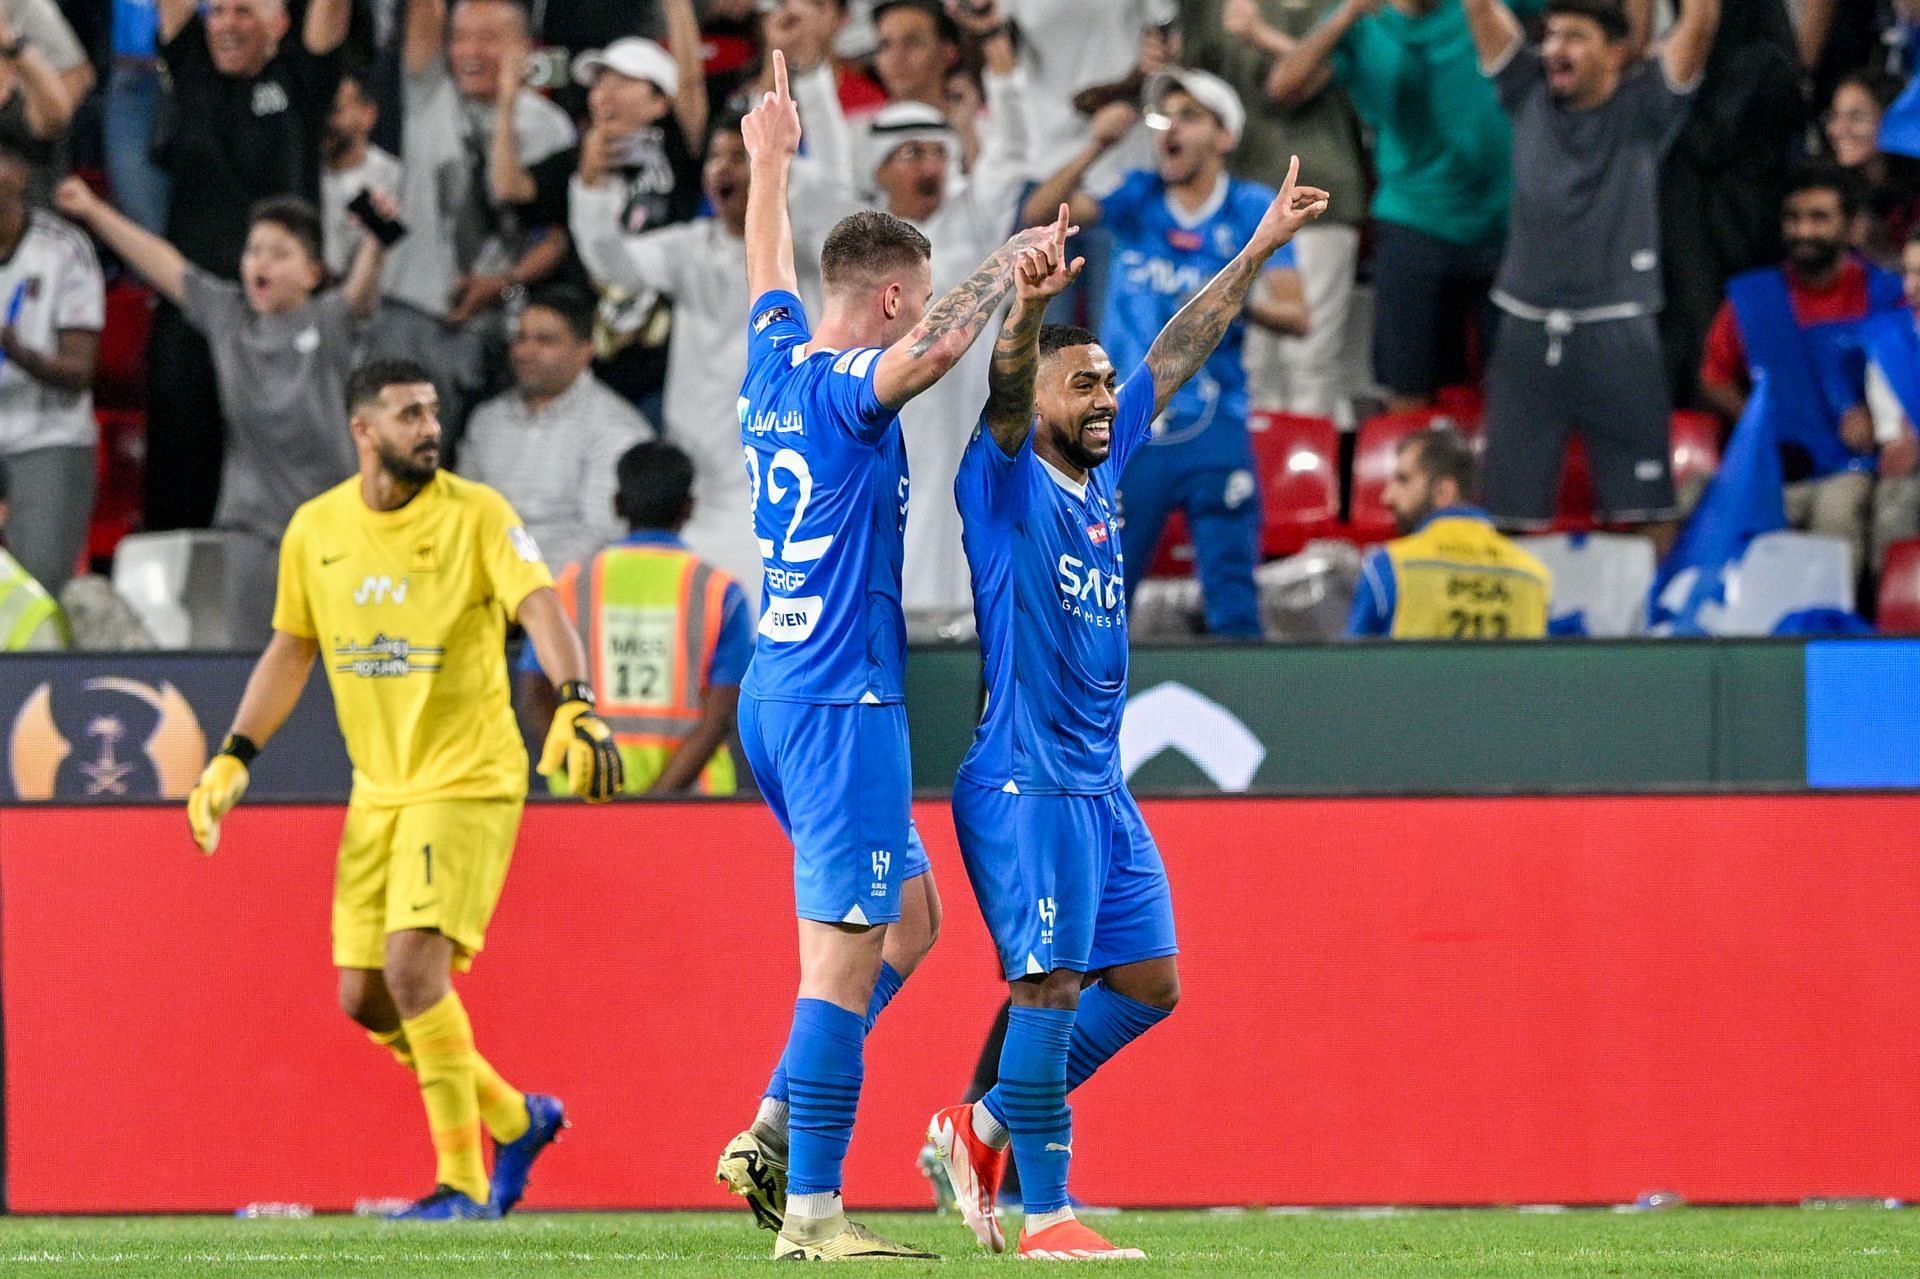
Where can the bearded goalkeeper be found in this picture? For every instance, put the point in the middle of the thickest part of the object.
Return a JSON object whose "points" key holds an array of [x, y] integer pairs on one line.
{"points": [[403, 580]]}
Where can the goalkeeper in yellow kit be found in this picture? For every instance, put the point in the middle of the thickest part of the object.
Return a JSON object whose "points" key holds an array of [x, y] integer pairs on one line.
{"points": [[403, 580]]}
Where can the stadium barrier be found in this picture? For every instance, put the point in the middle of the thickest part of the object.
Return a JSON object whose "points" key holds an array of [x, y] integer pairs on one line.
{"points": [[1489, 1000], [1326, 719]]}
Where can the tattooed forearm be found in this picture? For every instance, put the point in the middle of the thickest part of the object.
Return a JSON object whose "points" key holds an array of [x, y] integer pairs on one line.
{"points": [[1016, 357], [1190, 337], [929, 352], [957, 319]]}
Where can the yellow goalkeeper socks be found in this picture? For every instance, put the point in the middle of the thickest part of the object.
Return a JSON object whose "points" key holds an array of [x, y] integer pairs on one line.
{"points": [[444, 1059], [395, 1042], [503, 1108]]}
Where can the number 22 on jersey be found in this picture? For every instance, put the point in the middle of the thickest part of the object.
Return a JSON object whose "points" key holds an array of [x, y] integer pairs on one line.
{"points": [[788, 617], [794, 549]]}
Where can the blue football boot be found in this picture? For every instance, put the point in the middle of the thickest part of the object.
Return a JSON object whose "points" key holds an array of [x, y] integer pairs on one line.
{"points": [[546, 1116], [446, 1204]]}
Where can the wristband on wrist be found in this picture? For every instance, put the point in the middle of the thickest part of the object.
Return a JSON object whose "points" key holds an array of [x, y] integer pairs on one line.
{"points": [[576, 690], [241, 748]]}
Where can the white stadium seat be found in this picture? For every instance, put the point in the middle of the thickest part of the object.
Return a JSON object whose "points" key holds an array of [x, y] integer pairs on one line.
{"points": [[175, 582], [1600, 581], [1785, 573]]}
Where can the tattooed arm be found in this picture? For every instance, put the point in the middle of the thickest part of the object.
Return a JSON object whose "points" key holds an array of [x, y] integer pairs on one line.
{"points": [[1016, 356], [1190, 337], [1041, 274], [949, 328]]}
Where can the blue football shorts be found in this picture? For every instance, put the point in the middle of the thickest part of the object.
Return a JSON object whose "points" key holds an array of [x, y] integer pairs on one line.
{"points": [[840, 782], [1064, 881]]}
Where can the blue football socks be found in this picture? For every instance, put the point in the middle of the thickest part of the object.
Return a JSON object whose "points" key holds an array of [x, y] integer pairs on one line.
{"points": [[824, 1067], [1107, 1022], [1033, 1096], [884, 989]]}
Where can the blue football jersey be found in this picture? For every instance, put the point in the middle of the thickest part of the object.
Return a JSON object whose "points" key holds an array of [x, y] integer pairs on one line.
{"points": [[827, 475], [1050, 598], [1161, 258]]}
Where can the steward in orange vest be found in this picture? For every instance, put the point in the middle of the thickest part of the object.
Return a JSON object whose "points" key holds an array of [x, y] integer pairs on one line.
{"points": [[668, 636]]}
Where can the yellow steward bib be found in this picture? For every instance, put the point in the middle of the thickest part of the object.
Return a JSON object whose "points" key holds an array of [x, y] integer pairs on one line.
{"points": [[1458, 578], [29, 617]]}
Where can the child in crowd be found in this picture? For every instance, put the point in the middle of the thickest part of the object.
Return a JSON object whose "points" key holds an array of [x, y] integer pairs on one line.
{"points": [[283, 346]]}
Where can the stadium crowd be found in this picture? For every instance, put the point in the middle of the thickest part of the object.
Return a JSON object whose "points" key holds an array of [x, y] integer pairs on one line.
{"points": [[1527, 241]]}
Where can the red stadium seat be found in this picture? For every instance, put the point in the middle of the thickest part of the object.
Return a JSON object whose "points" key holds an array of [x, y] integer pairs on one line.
{"points": [[1464, 404], [1696, 446], [1174, 556], [1297, 463], [1900, 589], [1574, 513], [120, 373], [119, 468], [1378, 443]]}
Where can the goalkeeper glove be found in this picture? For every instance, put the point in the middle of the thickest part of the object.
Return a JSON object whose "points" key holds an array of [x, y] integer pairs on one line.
{"points": [[219, 789], [582, 744]]}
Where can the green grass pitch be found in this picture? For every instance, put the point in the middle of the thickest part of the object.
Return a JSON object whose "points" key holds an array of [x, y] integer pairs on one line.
{"points": [[1742, 1243]]}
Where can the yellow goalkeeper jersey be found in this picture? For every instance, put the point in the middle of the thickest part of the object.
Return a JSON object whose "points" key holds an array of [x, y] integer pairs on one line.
{"points": [[410, 610]]}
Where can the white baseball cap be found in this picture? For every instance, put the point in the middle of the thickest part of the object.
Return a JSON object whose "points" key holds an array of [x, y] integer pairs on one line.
{"points": [[1210, 91], [633, 57]]}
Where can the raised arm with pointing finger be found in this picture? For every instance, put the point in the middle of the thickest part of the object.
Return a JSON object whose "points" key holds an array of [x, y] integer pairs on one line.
{"points": [[772, 134], [948, 328], [952, 324], [1196, 329], [1041, 274]]}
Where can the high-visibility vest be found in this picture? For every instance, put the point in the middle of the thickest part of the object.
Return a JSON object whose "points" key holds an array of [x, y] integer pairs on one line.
{"points": [[649, 617], [1458, 578], [25, 608]]}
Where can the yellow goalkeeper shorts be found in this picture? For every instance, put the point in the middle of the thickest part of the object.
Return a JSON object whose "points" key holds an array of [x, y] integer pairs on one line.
{"points": [[437, 866]]}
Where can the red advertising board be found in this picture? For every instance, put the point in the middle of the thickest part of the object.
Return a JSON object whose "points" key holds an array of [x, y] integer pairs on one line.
{"points": [[1431, 1001]]}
